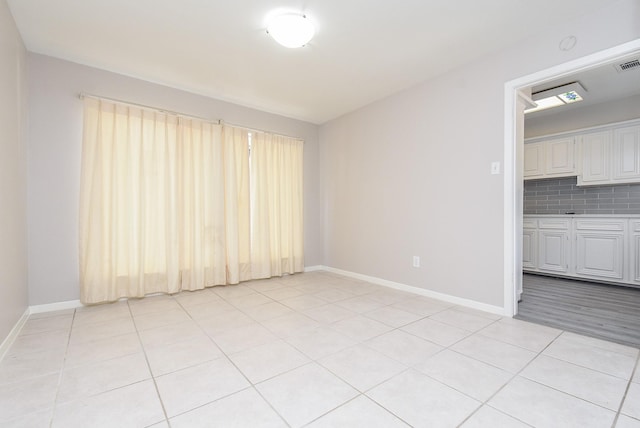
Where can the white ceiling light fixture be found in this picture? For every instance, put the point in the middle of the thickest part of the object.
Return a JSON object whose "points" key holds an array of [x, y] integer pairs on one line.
{"points": [[558, 96], [292, 30]]}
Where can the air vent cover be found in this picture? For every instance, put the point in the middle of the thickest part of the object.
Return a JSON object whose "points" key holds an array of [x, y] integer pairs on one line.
{"points": [[628, 65]]}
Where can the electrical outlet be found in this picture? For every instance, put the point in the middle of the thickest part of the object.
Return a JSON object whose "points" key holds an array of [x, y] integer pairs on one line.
{"points": [[416, 261]]}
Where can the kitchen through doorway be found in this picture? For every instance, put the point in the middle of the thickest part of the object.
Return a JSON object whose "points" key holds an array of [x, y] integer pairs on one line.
{"points": [[580, 250]]}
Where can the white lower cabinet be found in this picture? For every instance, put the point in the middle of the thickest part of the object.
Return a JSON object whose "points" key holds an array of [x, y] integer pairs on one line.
{"points": [[529, 249], [529, 244], [605, 249], [553, 248], [600, 248]]}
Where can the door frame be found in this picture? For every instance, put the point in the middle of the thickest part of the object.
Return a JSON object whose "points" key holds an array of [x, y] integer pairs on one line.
{"points": [[513, 160]]}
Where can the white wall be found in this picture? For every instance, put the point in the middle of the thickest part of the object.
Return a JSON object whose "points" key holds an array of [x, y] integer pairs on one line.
{"points": [[598, 114], [13, 175], [410, 175], [54, 162]]}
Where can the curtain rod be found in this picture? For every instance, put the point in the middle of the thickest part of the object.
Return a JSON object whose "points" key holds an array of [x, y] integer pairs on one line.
{"points": [[262, 131], [83, 95]]}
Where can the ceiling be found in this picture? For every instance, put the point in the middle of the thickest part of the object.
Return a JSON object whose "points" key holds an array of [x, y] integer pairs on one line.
{"points": [[363, 50], [602, 84]]}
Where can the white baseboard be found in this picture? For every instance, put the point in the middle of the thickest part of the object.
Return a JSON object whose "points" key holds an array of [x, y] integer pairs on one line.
{"points": [[15, 331], [314, 268], [498, 310], [58, 306]]}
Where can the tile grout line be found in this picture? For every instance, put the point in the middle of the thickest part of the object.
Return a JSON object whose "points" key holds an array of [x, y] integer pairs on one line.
{"points": [[449, 348], [362, 343], [360, 394], [626, 391], [312, 360], [146, 358], [251, 384], [515, 375], [564, 392], [407, 368], [64, 363]]}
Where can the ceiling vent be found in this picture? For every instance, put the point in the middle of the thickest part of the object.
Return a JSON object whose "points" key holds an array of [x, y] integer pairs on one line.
{"points": [[633, 64]]}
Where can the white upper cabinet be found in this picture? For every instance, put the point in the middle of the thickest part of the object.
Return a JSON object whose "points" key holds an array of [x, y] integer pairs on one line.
{"points": [[560, 154], [626, 153], [603, 155], [550, 158], [534, 160], [595, 149]]}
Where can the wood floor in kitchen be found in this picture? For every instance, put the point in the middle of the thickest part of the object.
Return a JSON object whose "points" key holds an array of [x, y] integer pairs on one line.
{"points": [[603, 311]]}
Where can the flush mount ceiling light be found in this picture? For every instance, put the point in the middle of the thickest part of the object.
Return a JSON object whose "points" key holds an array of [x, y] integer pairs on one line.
{"points": [[292, 30], [558, 96]]}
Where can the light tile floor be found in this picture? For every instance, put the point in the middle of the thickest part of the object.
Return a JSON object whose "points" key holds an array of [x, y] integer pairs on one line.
{"points": [[314, 349]]}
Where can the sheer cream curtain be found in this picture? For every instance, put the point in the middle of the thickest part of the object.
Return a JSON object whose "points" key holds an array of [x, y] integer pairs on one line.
{"points": [[276, 200], [166, 204]]}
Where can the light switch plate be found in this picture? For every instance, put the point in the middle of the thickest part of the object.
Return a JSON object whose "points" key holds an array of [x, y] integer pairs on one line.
{"points": [[495, 167]]}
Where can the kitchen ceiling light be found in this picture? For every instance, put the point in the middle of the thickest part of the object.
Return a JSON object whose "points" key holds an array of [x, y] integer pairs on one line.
{"points": [[570, 97], [545, 103], [291, 30], [558, 96]]}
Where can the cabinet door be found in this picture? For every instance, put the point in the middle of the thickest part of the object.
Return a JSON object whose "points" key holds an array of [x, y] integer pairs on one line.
{"points": [[533, 160], [634, 256], [595, 157], [600, 248], [529, 249], [626, 153], [553, 247], [600, 254], [560, 157]]}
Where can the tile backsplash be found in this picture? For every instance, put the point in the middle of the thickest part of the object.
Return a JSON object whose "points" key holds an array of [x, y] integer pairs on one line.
{"points": [[561, 196]]}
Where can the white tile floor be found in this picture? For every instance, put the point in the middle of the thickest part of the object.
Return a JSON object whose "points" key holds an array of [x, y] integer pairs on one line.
{"points": [[315, 350]]}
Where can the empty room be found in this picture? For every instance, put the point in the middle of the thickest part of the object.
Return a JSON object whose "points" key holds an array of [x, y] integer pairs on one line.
{"points": [[309, 214]]}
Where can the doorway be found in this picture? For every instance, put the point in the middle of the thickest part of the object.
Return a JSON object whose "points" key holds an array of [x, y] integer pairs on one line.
{"points": [[516, 97]]}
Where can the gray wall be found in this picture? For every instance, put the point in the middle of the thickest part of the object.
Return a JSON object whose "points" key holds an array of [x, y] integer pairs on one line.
{"points": [[54, 162], [13, 175], [561, 195], [410, 175]]}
